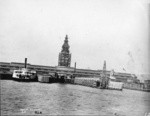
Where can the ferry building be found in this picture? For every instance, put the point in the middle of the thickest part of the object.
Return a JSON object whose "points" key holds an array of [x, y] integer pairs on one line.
{"points": [[64, 66]]}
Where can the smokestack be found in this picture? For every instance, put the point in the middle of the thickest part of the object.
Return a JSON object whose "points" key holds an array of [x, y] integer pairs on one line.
{"points": [[75, 67], [104, 67], [25, 65]]}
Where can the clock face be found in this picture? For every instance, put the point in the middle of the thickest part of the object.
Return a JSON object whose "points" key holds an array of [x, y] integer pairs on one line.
{"points": [[65, 55]]}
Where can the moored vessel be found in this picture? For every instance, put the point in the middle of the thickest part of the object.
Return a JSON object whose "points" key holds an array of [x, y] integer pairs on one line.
{"points": [[24, 74], [113, 83]]}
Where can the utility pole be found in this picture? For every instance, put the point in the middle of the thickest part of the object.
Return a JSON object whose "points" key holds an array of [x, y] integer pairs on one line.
{"points": [[104, 80]]}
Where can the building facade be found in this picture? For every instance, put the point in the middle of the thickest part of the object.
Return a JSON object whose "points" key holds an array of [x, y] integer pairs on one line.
{"points": [[65, 56]]}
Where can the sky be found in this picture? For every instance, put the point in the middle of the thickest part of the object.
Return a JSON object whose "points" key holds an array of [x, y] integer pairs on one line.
{"points": [[113, 30]]}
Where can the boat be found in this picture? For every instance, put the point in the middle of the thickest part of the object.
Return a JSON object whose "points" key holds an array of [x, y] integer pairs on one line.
{"points": [[24, 74], [114, 84]]}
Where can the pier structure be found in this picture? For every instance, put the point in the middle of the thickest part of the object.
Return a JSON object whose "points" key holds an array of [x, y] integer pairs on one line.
{"points": [[8, 67]]}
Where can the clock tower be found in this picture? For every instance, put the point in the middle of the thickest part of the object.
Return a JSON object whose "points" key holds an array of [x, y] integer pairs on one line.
{"points": [[64, 55]]}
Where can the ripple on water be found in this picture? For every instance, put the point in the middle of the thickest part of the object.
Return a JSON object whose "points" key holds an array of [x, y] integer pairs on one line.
{"points": [[33, 98]]}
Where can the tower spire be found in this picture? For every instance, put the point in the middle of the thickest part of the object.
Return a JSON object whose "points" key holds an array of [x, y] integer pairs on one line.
{"points": [[65, 46], [66, 38], [64, 55]]}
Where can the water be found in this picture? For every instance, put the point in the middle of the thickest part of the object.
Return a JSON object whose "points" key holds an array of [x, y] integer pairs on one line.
{"points": [[22, 98]]}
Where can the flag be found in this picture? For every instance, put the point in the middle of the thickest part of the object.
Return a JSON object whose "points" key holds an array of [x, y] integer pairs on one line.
{"points": [[124, 69]]}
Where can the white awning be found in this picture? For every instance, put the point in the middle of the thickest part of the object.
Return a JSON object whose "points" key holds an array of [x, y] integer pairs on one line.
{"points": [[112, 77]]}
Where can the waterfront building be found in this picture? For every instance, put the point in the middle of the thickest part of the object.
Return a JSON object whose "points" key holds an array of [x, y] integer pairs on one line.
{"points": [[147, 85], [147, 81], [9, 67], [64, 62], [64, 55]]}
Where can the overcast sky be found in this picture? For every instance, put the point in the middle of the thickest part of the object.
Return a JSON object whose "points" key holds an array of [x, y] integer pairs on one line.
{"points": [[113, 30]]}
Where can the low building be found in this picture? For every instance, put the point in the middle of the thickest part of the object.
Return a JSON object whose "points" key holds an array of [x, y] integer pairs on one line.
{"points": [[9, 67]]}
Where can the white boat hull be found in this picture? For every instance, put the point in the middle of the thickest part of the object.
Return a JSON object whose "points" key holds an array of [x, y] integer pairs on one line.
{"points": [[115, 85]]}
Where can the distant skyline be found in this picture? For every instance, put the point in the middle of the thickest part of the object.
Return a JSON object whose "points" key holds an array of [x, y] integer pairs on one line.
{"points": [[113, 30]]}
